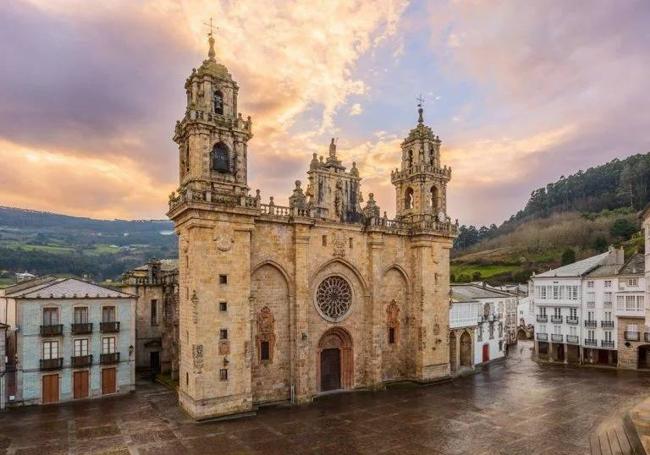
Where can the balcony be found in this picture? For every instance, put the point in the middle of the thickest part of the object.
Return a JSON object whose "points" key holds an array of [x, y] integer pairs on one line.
{"points": [[107, 359], [109, 327], [542, 337], [542, 318], [556, 319], [607, 324], [52, 364], [632, 336], [572, 320], [81, 361], [606, 344], [557, 338], [589, 342], [591, 324], [572, 339], [55, 330], [81, 328]]}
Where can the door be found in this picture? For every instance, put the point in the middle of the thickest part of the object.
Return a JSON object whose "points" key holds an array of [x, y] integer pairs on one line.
{"points": [[50, 388], [80, 384], [486, 352], [330, 369], [154, 361], [108, 381], [560, 353]]}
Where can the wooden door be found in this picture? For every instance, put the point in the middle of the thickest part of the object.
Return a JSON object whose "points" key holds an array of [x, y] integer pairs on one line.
{"points": [[80, 384], [50, 388], [108, 381], [486, 352], [330, 369]]}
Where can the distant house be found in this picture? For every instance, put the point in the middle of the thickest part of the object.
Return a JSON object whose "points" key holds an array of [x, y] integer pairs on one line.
{"points": [[69, 339], [24, 276], [484, 311], [156, 286], [3, 366]]}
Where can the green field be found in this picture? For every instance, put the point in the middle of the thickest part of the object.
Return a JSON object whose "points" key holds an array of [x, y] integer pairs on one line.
{"points": [[487, 271]]}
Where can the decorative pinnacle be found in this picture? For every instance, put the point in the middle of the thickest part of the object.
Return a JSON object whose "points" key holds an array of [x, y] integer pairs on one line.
{"points": [[211, 53], [420, 110]]}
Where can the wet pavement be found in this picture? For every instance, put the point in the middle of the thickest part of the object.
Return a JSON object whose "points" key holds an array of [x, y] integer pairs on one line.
{"points": [[511, 407]]}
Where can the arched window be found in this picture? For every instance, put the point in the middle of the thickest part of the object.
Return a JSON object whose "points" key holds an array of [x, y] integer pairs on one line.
{"points": [[220, 157], [410, 158], [408, 199], [217, 101], [434, 198]]}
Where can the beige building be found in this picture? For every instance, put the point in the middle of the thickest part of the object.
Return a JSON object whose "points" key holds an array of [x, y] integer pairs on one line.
{"points": [[280, 303], [156, 332]]}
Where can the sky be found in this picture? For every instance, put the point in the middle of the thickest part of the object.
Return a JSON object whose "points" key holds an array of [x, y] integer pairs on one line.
{"points": [[520, 93]]}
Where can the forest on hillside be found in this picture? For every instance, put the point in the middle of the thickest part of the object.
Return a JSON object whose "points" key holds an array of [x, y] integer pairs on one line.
{"points": [[614, 185]]}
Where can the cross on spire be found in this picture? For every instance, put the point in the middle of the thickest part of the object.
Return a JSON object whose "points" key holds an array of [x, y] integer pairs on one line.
{"points": [[420, 100], [210, 26]]}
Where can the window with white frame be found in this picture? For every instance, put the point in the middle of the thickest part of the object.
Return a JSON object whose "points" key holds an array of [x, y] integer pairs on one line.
{"points": [[542, 328], [639, 303], [591, 335], [573, 330], [607, 298], [590, 315], [608, 335], [50, 316], [557, 329], [556, 293], [591, 298], [80, 347], [542, 311], [632, 328], [108, 345], [573, 292], [50, 350], [557, 312], [620, 302], [81, 315], [632, 282], [608, 283], [573, 312], [542, 292], [630, 303], [608, 316], [590, 284]]}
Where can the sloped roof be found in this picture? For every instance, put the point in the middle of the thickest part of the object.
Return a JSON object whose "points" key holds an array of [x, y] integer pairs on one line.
{"points": [[604, 270], [634, 266], [31, 283], [576, 269], [66, 288], [472, 292]]}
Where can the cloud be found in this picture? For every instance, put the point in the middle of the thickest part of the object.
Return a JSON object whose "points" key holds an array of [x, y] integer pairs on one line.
{"points": [[103, 83], [355, 109]]}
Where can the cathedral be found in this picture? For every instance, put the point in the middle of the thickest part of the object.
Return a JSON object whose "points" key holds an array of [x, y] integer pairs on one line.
{"points": [[283, 303]]}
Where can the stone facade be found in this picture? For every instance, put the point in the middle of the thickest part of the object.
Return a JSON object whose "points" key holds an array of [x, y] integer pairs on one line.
{"points": [[156, 285], [283, 303]]}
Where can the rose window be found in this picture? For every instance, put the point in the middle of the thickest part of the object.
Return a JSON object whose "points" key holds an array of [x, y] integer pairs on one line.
{"points": [[333, 298]]}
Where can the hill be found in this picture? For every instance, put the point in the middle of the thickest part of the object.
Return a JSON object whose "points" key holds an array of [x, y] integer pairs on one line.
{"points": [[43, 242], [584, 212]]}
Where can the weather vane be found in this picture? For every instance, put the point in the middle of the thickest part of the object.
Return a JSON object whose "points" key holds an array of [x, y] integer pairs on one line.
{"points": [[212, 27], [420, 100]]}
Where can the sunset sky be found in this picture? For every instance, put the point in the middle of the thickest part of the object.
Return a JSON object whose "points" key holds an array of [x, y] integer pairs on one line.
{"points": [[520, 93]]}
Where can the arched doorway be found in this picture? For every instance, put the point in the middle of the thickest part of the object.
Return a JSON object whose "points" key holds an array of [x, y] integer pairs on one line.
{"points": [[335, 360], [452, 352], [465, 350], [521, 334], [644, 357]]}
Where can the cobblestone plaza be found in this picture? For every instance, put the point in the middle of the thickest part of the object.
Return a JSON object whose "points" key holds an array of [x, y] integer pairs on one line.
{"points": [[512, 407]]}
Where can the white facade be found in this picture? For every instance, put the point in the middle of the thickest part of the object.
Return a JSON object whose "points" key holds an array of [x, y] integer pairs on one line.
{"points": [[577, 308]]}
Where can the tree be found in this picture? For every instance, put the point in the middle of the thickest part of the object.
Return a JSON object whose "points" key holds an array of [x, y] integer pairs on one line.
{"points": [[600, 244], [476, 276], [568, 256], [623, 228]]}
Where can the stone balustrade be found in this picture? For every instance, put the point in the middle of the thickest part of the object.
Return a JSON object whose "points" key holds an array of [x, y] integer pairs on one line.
{"points": [[442, 172]]}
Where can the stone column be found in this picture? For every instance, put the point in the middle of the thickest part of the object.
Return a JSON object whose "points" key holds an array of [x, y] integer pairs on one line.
{"points": [[377, 313], [303, 367]]}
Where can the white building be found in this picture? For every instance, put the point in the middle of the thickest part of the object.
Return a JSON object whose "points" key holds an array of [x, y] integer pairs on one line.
{"points": [[69, 339], [589, 311], [489, 341]]}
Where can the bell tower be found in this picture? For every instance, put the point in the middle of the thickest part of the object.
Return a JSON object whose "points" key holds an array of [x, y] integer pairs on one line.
{"points": [[213, 217], [213, 137], [421, 182]]}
